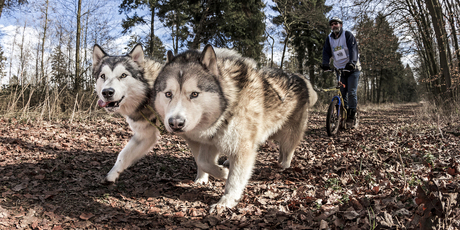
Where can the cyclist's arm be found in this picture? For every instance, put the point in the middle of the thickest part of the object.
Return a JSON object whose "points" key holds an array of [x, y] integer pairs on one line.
{"points": [[352, 47]]}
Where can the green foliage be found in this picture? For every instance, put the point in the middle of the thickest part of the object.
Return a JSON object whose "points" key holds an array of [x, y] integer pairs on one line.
{"points": [[237, 24], [334, 184], [306, 28], [174, 14], [158, 48], [384, 76], [131, 21], [59, 68]]}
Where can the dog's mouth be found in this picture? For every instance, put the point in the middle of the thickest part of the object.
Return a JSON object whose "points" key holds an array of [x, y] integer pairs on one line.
{"points": [[110, 104]]}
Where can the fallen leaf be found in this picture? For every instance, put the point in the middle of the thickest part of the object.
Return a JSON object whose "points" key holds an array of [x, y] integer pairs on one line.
{"points": [[376, 189], [350, 215], [86, 216], [451, 171]]}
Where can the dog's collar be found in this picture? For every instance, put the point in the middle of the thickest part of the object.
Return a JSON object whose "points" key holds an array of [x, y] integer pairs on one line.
{"points": [[160, 127]]}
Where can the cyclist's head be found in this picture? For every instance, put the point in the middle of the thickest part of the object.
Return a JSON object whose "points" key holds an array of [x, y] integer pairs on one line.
{"points": [[336, 24], [335, 19]]}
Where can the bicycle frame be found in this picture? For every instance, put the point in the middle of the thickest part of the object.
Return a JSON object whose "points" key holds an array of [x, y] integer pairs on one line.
{"points": [[342, 109]]}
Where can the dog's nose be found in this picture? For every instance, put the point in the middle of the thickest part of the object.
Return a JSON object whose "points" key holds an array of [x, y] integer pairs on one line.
{"points": [[108, 92], [176, 123]]}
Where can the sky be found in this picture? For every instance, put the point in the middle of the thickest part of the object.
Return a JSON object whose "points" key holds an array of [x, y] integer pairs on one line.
{"points": [[9, 24]]}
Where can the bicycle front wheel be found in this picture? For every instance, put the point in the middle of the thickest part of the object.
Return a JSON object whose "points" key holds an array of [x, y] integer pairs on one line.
{"points": [[333, 118]]}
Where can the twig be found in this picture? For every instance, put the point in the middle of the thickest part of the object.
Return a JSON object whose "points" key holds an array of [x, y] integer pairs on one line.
{"points": [[439, 127], [74, 106], [403, 169]]}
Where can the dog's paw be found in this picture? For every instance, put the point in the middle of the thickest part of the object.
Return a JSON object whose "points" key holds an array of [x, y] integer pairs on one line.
{"points": [[216, 209], [112, 177], [224, 203], [285, 165], [106, 182], [202, 180]]}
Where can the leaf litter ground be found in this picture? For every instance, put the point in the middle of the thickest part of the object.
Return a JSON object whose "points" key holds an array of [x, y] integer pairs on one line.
{"points": [[396, 171]]}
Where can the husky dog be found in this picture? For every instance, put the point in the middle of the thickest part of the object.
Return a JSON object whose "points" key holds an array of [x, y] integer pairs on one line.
{"points": [[123, 85], [225, 105]]}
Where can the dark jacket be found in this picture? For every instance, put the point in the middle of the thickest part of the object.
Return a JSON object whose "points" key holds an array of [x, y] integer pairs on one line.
{"points": [[351, 43]]}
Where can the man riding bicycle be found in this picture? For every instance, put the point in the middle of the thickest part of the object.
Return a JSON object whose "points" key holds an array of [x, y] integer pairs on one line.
{"points": [[342, 47]]}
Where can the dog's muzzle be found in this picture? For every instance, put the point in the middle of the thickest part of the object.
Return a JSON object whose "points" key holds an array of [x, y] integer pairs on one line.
{"points": [[109, 104], [176, 123]]}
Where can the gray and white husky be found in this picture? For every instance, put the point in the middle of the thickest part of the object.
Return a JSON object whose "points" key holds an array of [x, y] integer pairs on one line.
{"points": [[124, 85], [226, 105]]}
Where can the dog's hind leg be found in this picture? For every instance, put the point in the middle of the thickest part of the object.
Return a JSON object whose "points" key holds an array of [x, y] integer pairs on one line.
{"points": [[289, 137], [137, 147], [207, 160], [201, 176]]}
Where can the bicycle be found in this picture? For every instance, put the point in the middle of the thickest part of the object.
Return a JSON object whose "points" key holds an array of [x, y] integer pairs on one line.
{"points": [[337, 113]]}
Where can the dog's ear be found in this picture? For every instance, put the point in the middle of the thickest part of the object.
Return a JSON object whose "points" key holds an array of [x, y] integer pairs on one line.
{"points": [[169, 56], [209, 59], [137, 54], [98, 54]]}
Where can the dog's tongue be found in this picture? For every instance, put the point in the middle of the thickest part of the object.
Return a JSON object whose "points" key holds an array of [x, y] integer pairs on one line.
{"points": [[102, 103]]}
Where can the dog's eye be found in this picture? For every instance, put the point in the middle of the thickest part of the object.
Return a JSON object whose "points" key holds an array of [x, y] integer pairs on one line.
{"points": [[123, 75], [168, 94], [194, 95], [102, 76]]}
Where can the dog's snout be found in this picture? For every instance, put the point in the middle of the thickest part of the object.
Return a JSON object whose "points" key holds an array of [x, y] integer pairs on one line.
{"points": [[176, 123], [108, 92]]}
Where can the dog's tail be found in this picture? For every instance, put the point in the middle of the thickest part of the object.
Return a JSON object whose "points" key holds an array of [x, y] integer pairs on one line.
{"points": [[312, 95]]}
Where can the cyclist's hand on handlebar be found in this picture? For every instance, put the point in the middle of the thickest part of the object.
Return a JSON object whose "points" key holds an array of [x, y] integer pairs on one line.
{"points": [[350, 66], [325, 67]]}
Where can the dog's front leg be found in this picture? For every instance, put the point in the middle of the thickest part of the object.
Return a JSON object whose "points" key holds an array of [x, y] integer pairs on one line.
{"points": [[201, 176], [241, 164], [137, 147]]}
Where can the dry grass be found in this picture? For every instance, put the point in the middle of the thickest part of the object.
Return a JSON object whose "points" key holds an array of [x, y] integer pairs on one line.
{"points": [[29, 104]]}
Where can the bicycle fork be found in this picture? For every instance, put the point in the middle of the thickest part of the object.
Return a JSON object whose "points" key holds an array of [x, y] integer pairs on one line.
{"points": [[341, 111]]}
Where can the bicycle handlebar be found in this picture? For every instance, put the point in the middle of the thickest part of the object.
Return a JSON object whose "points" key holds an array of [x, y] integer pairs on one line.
{"points": [[339, 83]]}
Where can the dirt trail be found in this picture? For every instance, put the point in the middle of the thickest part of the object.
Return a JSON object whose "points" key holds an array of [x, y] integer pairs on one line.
{"points": [[50, 176]]}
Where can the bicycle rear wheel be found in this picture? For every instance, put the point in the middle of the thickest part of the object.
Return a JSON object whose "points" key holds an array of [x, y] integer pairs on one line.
{"points": [[333, 118]]}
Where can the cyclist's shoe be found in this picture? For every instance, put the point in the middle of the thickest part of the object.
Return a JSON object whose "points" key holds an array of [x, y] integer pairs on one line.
{"points": [[351, 114]]}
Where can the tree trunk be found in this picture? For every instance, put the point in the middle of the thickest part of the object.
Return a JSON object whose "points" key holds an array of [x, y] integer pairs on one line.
{"points": [[441, 39], [311, 64], [77, 49], [2, 4], [12, 53], [197, 39], [152, 29], [36, 81], [284, 49], [45, 28], [21, 69], [176, 49], [454, 31]]}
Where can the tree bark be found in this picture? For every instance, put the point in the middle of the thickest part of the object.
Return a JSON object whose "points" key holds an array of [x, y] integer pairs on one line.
{"points": [[45, 28], [284, 49], [199, 28], [77, 49], [152, 28], [2, 4], [441, 40], [454, 30]]}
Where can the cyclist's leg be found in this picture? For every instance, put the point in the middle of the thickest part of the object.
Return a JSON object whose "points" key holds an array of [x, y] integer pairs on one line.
{"points": [[352, 85]]}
